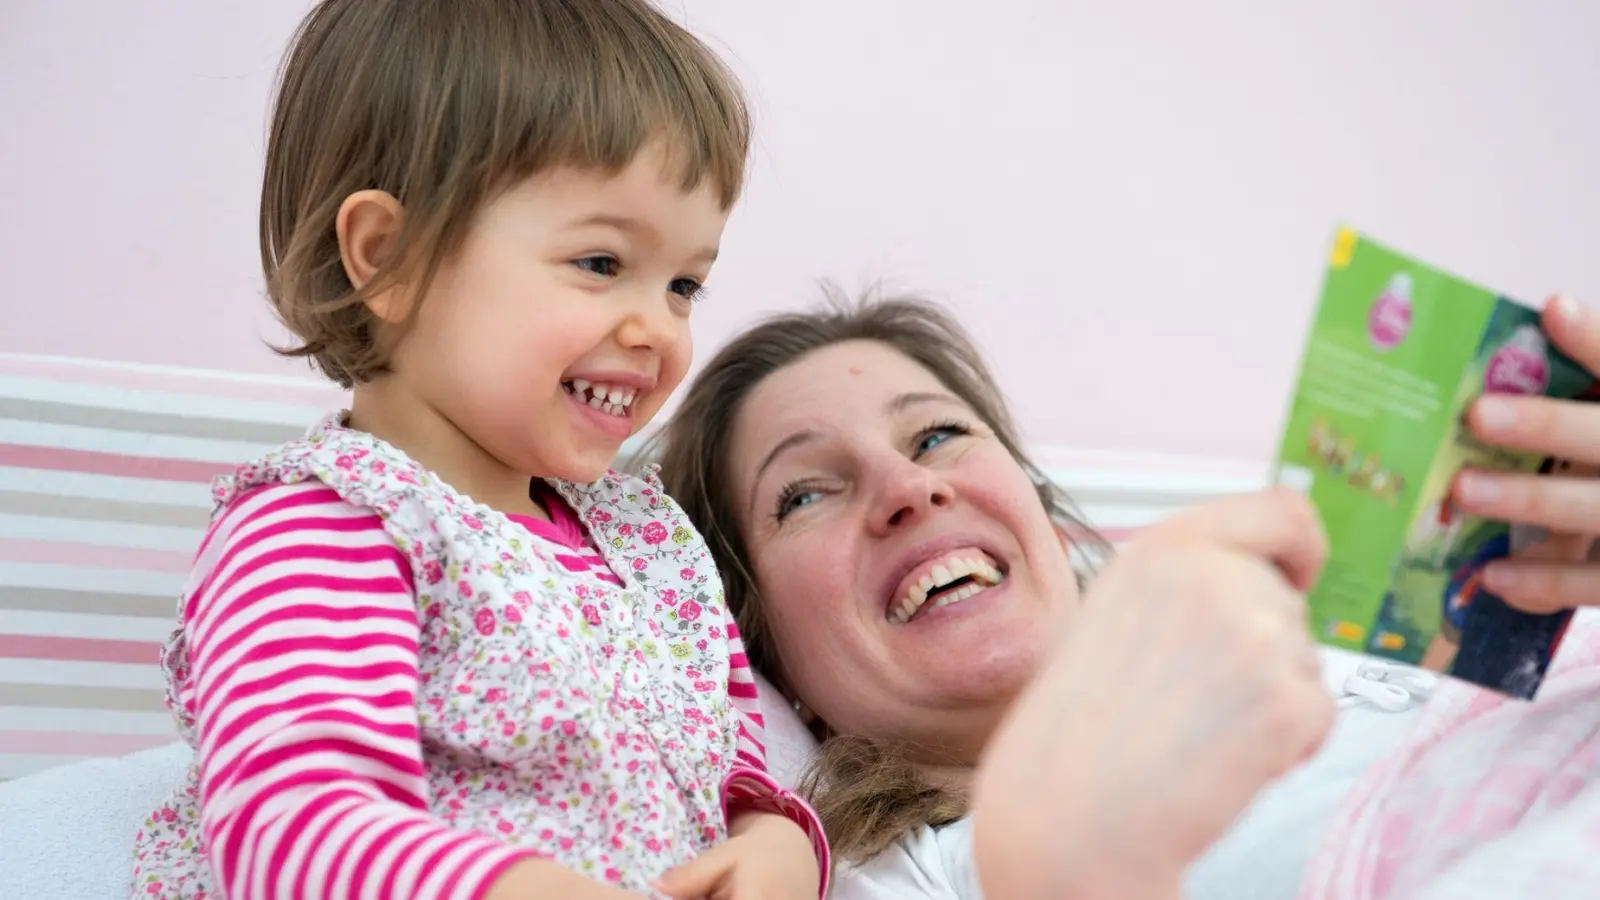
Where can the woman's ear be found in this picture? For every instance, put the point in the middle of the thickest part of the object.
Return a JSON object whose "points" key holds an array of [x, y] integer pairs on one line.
{"points": [[813, 722], [801, 710], [368, 227], [1067, 543]]}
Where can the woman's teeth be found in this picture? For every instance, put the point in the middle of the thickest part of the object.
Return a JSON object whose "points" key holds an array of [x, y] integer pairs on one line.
{"points": [[953, 580], [608, 398]]}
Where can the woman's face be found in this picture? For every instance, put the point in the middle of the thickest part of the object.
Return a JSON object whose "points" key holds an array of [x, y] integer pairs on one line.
{"points": [[911, 577]]}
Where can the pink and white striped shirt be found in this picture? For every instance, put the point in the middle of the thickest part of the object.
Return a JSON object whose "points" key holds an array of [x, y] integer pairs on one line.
{"points": [[395, 692]]}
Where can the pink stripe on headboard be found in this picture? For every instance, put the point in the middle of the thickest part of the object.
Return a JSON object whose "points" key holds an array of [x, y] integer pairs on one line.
{"points": [[74, 743], [71, 649], [26, 456], [94, 556]]}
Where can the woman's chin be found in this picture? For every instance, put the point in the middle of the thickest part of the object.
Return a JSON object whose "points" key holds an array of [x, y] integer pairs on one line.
{"points": [[975, 664]]}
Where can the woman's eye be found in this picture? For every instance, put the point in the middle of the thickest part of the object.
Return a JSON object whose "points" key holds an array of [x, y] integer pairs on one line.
{"points": [[793, 500], [934, 438], [604, 266], [687, 288]]}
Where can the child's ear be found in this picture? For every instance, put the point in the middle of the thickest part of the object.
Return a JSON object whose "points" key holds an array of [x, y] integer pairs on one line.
{"points": [[368, 226]]}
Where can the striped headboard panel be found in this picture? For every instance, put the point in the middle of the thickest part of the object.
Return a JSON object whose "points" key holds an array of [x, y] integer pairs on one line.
{"points": [[104, 493], [104, 474]]}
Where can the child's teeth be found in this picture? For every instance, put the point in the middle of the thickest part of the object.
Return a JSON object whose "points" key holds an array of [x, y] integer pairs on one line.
{"points": [[579, 385], [595, 401]]}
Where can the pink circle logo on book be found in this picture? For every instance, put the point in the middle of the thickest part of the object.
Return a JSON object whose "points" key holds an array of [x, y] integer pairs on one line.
{"points": [[1520, 366], [1389, 319]]}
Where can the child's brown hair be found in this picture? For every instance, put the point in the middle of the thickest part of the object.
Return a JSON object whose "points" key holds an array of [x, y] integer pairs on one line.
{"points": [[446, 103]]}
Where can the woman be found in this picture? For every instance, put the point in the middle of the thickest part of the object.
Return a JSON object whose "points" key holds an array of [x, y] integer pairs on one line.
{"points": [[901, 571]]}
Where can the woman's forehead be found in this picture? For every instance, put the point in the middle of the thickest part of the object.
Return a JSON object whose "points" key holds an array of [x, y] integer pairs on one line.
{"points": [[842, 391], [843, 375], [837, 386]]}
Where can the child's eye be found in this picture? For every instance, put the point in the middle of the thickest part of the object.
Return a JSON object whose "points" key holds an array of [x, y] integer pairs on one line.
{"points": [[688, 288], [604, 266]]}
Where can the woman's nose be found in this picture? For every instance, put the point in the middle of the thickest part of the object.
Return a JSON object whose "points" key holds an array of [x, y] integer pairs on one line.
{"points": [[910, 493]]}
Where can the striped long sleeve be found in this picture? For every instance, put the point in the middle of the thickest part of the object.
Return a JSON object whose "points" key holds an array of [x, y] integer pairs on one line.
{"points": [[748, 786], [302, 637]]}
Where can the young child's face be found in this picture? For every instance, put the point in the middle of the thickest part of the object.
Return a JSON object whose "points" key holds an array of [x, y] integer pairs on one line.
{"points": [[570, 284]]}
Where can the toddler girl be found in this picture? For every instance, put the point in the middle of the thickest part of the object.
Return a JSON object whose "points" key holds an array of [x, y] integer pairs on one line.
{"points": [[436, 649]]}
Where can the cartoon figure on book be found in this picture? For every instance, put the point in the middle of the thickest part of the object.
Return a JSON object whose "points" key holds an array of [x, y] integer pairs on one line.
{"points": [[1340, 457], [438, 648], [1481, 638]]}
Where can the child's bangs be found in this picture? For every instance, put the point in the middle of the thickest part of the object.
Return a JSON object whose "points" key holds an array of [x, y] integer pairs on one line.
{"points": [[597, 96]]}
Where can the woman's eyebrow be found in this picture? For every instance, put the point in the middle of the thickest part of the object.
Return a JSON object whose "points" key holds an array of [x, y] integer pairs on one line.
{"points": [[898, 403], [902, 402], [798, 439]]}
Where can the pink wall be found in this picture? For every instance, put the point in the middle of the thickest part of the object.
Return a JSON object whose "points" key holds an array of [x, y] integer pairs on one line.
{"points": [[1127, 202]]}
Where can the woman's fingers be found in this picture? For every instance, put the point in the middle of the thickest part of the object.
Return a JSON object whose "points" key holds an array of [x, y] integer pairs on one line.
{"points": [[1278, 525], [1565, 429], [1574, 329], [1543, 587], [1561, 428], [1551, 501]]}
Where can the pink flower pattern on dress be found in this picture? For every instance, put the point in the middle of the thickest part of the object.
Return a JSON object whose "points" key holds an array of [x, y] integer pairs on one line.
{"points": [[547, 729]]}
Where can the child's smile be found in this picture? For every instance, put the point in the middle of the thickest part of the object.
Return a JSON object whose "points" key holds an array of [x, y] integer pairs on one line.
{"points": [[607, 401]]}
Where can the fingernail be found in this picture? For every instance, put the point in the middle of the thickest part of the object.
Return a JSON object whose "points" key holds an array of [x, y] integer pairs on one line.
{"points": [[1565, 308], [1476, 488], [1496, 414], [1500, 579]]}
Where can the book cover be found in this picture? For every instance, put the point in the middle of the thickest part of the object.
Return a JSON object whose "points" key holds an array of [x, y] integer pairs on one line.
{"points": [[1375, 436]]}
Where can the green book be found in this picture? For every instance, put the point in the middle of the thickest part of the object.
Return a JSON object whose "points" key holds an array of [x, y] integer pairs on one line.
{"points": [[1398, 350]]}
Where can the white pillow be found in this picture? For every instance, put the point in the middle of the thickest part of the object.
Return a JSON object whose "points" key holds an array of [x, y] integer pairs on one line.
{"points": [[789, 744], [68, 831]]}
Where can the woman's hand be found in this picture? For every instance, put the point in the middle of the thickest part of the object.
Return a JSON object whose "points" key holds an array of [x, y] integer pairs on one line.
{"points": [[1187, 681], [1558, 574]]}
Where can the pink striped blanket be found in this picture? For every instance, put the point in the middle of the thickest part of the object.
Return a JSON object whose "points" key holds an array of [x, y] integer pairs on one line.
{"points": [[1488, 797]]}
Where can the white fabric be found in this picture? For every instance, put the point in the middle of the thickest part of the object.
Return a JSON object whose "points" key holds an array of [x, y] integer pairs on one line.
{"points": [[1262, 858], [67, 833], [789, 744]]}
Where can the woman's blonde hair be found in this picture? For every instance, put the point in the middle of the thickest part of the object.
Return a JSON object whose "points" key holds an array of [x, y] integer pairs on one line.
{"points": [[866, 791], [444, 104]]}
